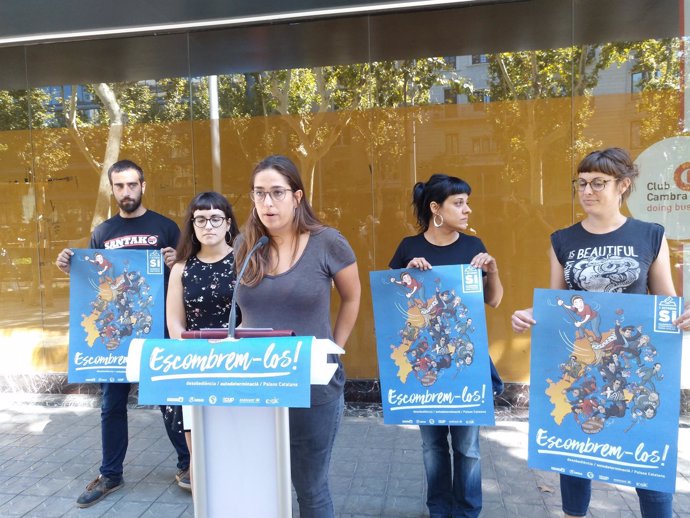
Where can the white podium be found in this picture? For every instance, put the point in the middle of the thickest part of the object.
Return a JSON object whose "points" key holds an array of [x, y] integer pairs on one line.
{"points": [[241, 462], [240, 454]]}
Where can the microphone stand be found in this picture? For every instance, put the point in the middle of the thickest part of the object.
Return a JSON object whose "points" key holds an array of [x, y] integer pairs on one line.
{"points": [[263, 240]]}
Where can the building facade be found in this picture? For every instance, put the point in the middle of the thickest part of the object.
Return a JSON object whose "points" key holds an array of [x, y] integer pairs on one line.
{"points": [[367, 100]]}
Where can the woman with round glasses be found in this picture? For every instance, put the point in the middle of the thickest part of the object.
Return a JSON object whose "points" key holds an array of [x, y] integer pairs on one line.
{"points": [[202, 280], [605, 179], [287, 285]]}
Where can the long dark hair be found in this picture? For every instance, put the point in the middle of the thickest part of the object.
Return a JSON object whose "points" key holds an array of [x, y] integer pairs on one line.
{"points": [[304, 221], [189, 245], [437, 189]]}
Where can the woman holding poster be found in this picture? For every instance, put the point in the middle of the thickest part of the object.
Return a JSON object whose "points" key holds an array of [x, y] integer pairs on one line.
{"points": [[608, 252], [287, 285], [202, 280], [442, 210]]}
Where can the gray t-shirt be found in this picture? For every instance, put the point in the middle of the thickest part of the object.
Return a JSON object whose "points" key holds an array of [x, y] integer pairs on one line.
{"points": [[300, 299]]}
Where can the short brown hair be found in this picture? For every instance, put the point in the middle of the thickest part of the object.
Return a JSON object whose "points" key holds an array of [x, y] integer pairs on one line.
{"points": [[612, 161]]}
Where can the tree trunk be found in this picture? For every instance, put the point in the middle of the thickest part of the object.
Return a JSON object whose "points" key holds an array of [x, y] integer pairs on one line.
{"points": [[112, 152]]}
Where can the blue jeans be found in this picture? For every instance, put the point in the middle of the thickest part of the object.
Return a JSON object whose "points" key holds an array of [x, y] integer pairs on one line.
{"points": [[312, 434], [175, 433], [576, 493], [591, 324], [114, 432], [456, 493]]}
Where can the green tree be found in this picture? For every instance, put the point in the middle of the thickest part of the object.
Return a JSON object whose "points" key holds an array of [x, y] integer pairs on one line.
{"points": [[656, 69], [317, 104], [528, 130], [141, 115]]}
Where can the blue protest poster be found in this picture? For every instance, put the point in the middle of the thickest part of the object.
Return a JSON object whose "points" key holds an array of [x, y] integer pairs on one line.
{"points": [[247, 372], [115, 296], [605, 387], [432, 346]]}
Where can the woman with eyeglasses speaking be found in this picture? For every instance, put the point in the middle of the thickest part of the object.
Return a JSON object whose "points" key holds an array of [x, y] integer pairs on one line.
{"points": [[287, 285], [202, 280], [633, 258]]}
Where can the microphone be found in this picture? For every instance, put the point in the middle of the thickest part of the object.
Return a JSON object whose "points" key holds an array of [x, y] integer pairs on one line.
{"points": [[263, 240]]}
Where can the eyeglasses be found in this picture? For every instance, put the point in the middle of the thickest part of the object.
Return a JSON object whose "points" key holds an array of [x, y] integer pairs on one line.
{"points": [[598, 184], [201, 221], [275, 194]]}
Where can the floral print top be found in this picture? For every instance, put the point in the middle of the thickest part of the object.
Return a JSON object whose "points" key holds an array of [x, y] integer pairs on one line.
{"points": [[207, 292]]}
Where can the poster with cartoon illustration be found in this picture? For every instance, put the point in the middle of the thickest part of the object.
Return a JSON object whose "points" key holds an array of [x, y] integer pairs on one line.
{"points": [[115, 295], [432, 346], [605, 387]]}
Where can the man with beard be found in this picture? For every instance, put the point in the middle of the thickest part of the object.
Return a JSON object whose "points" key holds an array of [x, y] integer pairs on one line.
{"points": [[133, 227]]}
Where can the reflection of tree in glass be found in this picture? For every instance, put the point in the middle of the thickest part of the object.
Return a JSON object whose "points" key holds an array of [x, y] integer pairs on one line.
{"points": [[529, 130], [140, 117], [656, 77], [31, 109], [317, 104], [529, 126]]}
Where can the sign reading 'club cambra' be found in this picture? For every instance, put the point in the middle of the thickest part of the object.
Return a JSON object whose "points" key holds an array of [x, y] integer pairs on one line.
{"points": [[662, 192]]}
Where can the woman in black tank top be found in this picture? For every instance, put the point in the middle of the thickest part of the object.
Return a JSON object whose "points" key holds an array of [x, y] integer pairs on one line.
{"points": [[583, 256]]}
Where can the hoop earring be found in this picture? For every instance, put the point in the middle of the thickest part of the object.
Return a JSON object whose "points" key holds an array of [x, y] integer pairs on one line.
{"points": [[437, 225], [228, 237]]}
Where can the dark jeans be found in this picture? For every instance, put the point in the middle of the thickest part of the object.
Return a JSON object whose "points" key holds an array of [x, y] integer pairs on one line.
{"points": [[312, 434], [172, 419], [455, 492], [576, 493], [114, 433]]}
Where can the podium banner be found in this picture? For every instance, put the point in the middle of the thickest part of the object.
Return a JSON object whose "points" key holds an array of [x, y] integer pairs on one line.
{"points": [[272, 372], [115, 296], [432, 346], [605, 387]]}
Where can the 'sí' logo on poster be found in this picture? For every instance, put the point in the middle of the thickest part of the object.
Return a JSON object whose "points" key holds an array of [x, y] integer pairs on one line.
{"points": [[154, 263], [666, 310], [471, 279]]}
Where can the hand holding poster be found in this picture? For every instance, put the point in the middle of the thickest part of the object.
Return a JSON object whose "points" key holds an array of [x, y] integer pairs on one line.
{"points": [[605, 387], [115, 295], [432, 346]]}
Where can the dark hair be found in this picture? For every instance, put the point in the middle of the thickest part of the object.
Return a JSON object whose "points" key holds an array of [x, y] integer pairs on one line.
{"points": [[612, 161], [124, 165], [437, 189], [649, 407], [304, 220], [188, 245]]}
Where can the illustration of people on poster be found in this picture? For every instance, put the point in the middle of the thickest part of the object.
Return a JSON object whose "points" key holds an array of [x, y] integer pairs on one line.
{"points": [[432, 346], [115, 295], [605, 387]]}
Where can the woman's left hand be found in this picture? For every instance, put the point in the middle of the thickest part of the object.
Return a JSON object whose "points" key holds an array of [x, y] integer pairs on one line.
{"points": [[485, 262], [683, 321]]}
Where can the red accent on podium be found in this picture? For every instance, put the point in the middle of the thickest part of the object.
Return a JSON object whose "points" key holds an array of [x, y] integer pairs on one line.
{"points": [[221, 333]]}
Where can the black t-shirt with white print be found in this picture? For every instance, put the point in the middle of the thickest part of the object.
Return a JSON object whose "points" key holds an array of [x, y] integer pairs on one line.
{"points": [[150, 231], [617, 261]]}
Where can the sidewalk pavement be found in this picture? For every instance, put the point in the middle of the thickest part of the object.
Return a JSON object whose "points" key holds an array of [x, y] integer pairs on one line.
{"points": [[49, 454]]}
